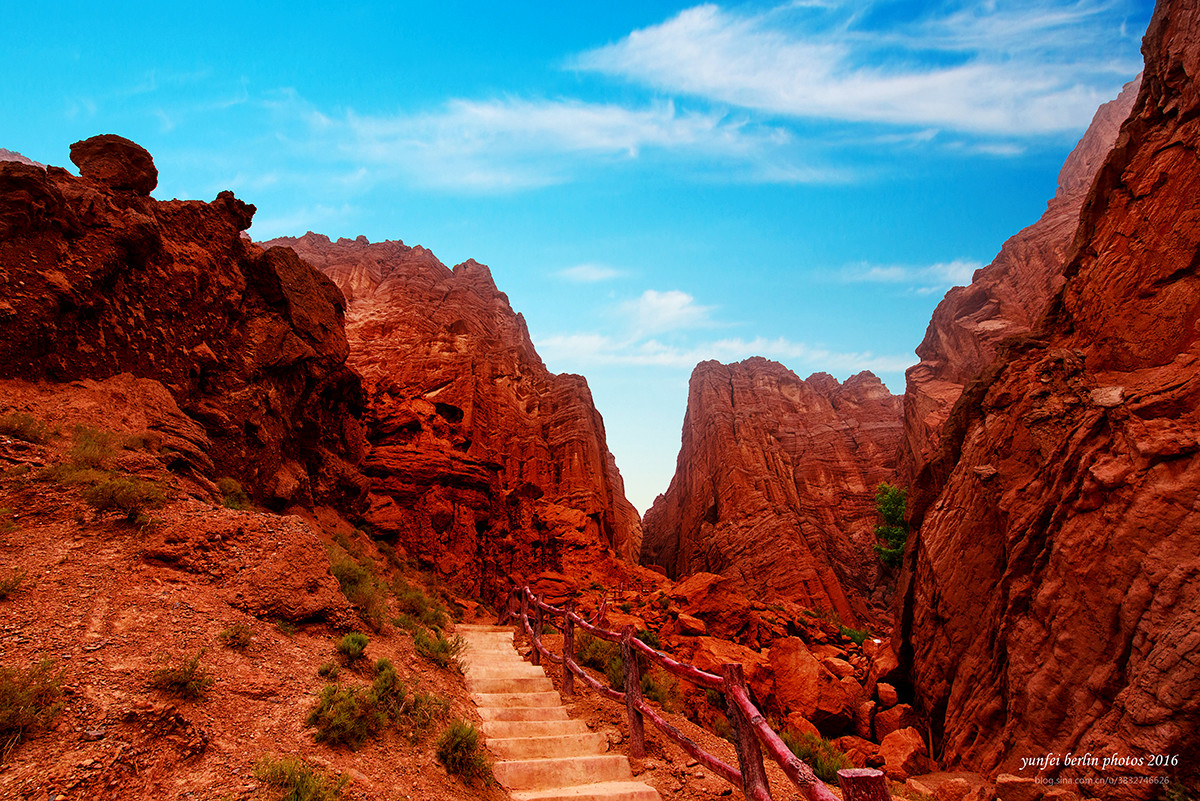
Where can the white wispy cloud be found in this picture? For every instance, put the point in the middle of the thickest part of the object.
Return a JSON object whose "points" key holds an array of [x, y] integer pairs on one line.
{"points": [[591, 349], [513, 143], [922, 279], [589, 273], [673, 310], [1024, 70]]}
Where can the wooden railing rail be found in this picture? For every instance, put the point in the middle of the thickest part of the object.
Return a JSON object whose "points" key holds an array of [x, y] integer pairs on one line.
{"points": [[751, 731]]}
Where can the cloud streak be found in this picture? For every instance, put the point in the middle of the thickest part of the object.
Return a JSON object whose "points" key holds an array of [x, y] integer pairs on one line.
{"points": [[1023, 71], [591, 349], [512, 144]]}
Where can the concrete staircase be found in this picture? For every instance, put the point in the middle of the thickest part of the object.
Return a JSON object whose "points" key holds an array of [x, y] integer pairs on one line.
{"points": [[541, 754]]}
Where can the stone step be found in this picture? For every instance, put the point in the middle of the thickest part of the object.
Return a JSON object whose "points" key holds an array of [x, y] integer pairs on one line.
{"points": [[531, 728], [514, 670], [603, 791], [523, 713], [543, 774], [516, 699], [530, 684], [548, 747]]}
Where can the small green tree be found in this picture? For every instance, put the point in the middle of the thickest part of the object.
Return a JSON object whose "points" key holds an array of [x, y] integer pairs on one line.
{"points": [[893, 531]]}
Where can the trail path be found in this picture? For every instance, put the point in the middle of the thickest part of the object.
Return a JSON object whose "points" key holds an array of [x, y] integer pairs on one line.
{"points": [[541, 753]]}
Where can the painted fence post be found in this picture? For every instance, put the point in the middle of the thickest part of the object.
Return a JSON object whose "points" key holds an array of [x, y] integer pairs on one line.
{"points": [[750, 761], [633, 695], [568, 678]]}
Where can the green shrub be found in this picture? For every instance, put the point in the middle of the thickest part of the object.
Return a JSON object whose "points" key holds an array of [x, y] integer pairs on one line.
{"points": [[185, 680], [296, 780], [438, 649], [285, 627], [236, 635], [661, 601], [9, 585], [715, 699], [360, 586], [232, 494], [625, 606], [893, 532], [459, 751], [19, 425], [129, 495], [92, 448], [857, 636], [826, 760], [329, 670], [344, 716], [349, 715], [352, 646], [660, 686], [416, 603], [7, 524], [413, 715], [29, 700], [649, 637], [601, 655]]}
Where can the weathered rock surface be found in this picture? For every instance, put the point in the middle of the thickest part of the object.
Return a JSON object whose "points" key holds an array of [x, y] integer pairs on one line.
{"points": [[483, 463], [774, 486], [1054, 606], [115, 162], [10, 155], [1004, 299], [97, 279]]}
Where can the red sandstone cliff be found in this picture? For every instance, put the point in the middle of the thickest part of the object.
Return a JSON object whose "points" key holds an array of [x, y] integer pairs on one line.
{"points": [[1004, 299], [1053, 592], [775, 484], [482, 462], [97, 278]]}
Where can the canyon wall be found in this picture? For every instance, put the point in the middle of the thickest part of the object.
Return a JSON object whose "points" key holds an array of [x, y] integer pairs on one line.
{"points": [[774, 485], [481, 461], [97, 278], [1004, 299], [1052, 594]]}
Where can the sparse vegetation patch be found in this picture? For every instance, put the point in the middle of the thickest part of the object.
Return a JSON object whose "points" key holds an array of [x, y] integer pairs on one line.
{"points": [[459, 751], [295, 780], [10, 584], [25, 427], [185, 680], [824, 757], [439, 650], [237, 636], [29, 700], [232, 494], [352, 646]]}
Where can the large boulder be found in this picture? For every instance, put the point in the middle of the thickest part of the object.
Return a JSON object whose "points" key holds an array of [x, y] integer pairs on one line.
{"points": [[803, 685], [115, 162]]}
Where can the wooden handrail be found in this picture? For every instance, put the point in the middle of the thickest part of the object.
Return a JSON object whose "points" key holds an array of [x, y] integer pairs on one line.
{"points": [[752, 731]]}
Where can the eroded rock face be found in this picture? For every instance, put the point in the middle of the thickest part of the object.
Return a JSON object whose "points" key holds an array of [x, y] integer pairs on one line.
{"points": [[1068, 483], [482, 462], [97, 279], [775, 481], [1004, 299]]}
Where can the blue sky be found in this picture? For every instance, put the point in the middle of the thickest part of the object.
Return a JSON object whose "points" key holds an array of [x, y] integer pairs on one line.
{"points": [[652, 183]]}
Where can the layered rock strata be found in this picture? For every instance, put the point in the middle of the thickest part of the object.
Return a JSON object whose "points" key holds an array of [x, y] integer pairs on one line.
{"points": [[482, 462], [98, 279], [774, 485], [1053, 595], [1004, 299]]}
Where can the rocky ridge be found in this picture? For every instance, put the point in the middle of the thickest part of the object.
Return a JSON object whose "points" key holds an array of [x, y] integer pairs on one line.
{"points": [[1004, 299], [100, 279], [481, 461], [1066, 483], [774, 486]]}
